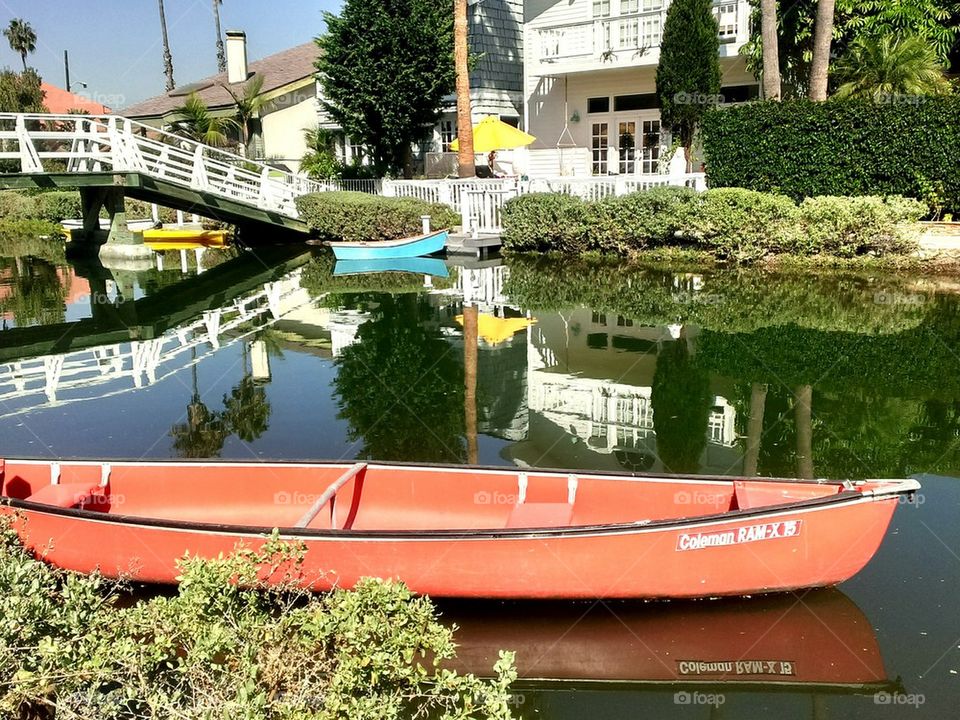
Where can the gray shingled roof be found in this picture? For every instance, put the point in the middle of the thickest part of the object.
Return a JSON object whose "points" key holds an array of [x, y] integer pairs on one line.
{"points": [[278, 70]]}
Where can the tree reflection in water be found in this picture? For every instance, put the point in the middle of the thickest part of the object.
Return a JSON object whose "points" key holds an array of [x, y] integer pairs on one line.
{"points": [[400, 386]]}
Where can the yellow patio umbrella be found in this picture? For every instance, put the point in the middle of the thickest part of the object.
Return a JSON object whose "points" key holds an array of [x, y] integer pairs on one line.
{"points": [[495, 330], [491, 134]]}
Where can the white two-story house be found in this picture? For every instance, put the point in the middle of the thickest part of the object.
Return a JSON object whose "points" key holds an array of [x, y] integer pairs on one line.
{"points": [[590, 82]]}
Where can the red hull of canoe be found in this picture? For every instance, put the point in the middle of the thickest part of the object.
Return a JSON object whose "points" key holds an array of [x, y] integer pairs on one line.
{"points": [[471, 550]]}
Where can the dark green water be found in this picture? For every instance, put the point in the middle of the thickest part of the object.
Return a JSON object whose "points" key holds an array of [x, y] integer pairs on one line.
{"points": [[577, 366]]}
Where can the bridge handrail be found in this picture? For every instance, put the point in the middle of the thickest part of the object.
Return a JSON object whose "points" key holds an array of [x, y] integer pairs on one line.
{"points": [[129, 146]]}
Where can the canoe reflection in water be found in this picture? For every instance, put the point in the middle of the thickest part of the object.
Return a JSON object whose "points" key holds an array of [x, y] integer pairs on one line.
{"points": [[811, 643]]}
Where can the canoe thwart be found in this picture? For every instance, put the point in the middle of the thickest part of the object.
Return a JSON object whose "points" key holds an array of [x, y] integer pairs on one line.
{"points": [[329, 493]]}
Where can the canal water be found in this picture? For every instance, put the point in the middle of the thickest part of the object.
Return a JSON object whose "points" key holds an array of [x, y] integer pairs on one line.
{"points": [[275, 355]]}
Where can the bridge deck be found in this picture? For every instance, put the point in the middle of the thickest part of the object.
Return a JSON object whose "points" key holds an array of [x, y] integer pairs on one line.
{"points": [[153, 190]]}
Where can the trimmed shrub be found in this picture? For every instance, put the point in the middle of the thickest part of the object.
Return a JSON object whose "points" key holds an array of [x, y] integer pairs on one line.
{"points": [[840, 147], [744, 225], [846, 227], [58, 206], [650, 217], [732, 223], [356, 216], [140, 210], [16, 206], [545, 222]]}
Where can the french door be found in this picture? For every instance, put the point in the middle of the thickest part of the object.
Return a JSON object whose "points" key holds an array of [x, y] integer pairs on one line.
{"points": [[638, 141]]}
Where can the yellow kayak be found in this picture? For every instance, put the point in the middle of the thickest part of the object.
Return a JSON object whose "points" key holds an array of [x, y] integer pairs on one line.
{"points": [[171, 239]]}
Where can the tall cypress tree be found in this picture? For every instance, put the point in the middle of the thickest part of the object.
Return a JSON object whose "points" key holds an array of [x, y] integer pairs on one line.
{"points": [[688, 76]]}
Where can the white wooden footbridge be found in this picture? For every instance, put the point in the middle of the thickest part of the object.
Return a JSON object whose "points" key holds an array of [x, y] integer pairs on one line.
{"points": [[108, 157]]}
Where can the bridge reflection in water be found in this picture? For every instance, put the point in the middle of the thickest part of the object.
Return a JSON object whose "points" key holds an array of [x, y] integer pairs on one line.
{"points": [[132, 343]]}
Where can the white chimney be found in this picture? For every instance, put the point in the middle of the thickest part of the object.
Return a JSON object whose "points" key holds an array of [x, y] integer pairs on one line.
{"points": [[236, 56]]}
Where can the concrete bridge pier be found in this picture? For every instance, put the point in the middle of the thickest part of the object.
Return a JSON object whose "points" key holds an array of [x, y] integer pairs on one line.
{"points": [[118, 242]]}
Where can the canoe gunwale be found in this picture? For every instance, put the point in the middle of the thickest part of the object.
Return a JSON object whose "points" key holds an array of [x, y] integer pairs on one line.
{"points": [[846, 497], [400, 242]]}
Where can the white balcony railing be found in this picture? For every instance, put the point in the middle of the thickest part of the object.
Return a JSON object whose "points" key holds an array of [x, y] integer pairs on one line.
{"points": [[633, 33]]}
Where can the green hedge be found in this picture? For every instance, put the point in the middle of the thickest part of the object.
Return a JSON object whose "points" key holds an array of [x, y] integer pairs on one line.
{"points": [[840, 147], [732, 223], [355, 216]]}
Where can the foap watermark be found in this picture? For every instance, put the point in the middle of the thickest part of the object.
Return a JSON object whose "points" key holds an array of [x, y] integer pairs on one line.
{"points": [[898, 99], [101, 298], [698, 98], [700, 497], [699, 698], [886, 297], [485, 497], [899, 699], [688, 298], [110, 100]]}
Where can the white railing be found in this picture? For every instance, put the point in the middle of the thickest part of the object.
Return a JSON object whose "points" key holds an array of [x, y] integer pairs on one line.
{"points": [[480, 202], [631, 32], [42, 143]]}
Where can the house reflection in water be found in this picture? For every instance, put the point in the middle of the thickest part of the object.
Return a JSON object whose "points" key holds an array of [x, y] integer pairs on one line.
{"points": [[590, 380]]}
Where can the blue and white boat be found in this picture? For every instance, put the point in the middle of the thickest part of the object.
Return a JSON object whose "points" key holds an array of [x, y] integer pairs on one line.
{"points": [[411, 247], [415, 266]]}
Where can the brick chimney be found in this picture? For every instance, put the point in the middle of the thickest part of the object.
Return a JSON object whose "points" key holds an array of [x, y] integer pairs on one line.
{"points": [[236, 56]]}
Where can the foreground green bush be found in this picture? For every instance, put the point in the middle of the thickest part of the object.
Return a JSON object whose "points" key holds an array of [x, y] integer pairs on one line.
{"points": [[225, 647], [17, 206], [733, 224], [58, 206], [839, 147], [356, 216]]}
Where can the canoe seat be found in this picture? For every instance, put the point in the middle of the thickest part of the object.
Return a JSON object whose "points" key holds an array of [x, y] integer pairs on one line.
{"points": [[540, 515], [64, 495]]}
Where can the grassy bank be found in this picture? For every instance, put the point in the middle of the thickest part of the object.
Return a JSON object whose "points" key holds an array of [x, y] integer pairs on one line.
{"points": [[729, 224], [225, 646]]}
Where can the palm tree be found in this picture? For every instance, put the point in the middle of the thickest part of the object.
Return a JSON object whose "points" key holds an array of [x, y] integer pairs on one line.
{"points": [[22, 38], [822, 39], [885, 67], [167, 57], [464, 115], [221, 54], [196, 122], [771, 50], [249, 104]]}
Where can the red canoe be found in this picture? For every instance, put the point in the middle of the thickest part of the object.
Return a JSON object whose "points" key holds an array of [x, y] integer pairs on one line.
{"points": [[459, 532], [818, 642]]}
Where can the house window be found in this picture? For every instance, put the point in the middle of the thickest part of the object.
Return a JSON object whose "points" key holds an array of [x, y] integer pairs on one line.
{"points": [[598, 145], [447, 135], [598, 105], [652, 31], [646, 101], [727, 20], [601, 8], [355, 151], [629, 7], [627, 147], [629, 33], [650, 158], [651, 5]]}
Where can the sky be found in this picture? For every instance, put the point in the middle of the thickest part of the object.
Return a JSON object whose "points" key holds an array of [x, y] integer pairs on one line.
{"points": [[115, 45]]}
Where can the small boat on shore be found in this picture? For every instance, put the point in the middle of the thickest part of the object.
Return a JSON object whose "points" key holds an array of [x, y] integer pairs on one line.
{"points": [[457, 531], [410, 247]]}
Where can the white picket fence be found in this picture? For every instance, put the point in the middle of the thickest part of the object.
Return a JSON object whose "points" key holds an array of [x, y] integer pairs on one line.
{"points": [[480, 202]]}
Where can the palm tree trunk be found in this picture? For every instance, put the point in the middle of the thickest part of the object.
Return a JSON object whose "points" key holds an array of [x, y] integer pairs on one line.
{"points": [[464, 119], [802, 401], [470, 341], [822, 39], [221, 54], [771, 49], [23, 57], [758, 401], [167, 57]]}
